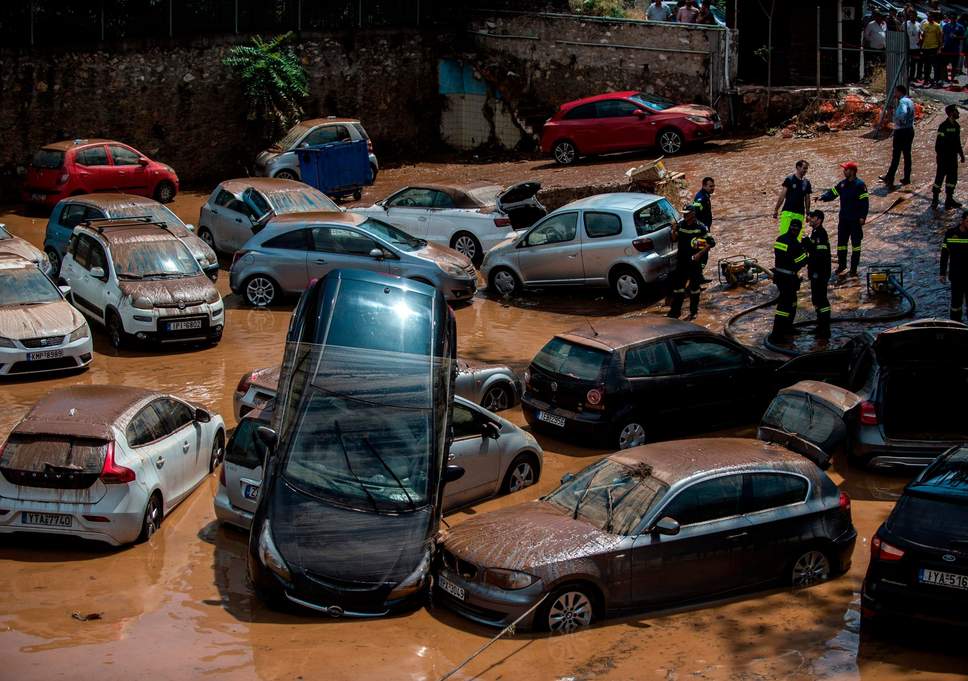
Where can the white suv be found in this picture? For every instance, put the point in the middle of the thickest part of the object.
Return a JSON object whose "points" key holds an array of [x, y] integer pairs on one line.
{"points": [[140, 281]]}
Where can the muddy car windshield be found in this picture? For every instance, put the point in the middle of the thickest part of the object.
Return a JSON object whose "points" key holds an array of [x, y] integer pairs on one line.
{"points": [[559, 356], [154, 260], [26, 286], [393, 236], [654, 102], [611, 496], [485, 196], [300, 201], [370, 456], [48, 158], [292, 137]]}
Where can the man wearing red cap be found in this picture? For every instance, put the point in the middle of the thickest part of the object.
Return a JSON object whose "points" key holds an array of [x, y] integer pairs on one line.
{"points": [[854, 206]]}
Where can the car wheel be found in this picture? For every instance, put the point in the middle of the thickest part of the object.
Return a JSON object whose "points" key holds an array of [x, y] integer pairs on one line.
{"points": [[218, 451], [205, 234], [565, 152], [260, 291], [286, 175], [631, 434], [467, 244], [165, 192], [567, 610], [115, 328], [497, 398], [358, 194], [505, 281], [373, 173], [152, 518], [812, 567], [628, 285], [670, 141], [53, 257], [523, 472]]}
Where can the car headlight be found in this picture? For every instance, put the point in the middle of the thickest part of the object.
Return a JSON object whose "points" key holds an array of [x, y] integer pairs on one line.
{"points": [[508, 579], [6, 343], [451, 269], [203, 261], [212, 296], [701, 120], [269, 554], [142, 303], [80, 332], [414, 581]]}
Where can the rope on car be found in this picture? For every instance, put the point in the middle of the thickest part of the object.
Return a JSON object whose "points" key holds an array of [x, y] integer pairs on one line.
{"points": [[506, 630]]}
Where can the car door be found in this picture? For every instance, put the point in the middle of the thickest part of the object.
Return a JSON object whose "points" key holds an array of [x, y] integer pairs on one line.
{"points": [[446, 219], [479, 456], [410, 210], [146, 435], [551, 251], [230, 221], [654, 389], [779, 522], [243, 465], [285, 258], [129, 173], [95, 169], [180, 444], [713, 373], [87, 291], [622, 124], [342, 247], [702, 558], [601, 244], [581, 125]]}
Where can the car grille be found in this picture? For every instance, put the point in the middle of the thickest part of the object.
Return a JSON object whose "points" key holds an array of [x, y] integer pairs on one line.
{"points": [[466, 570], [43, 365], [50, 479], [470, 271], [181, 305], [46, 342], [342, 584]]}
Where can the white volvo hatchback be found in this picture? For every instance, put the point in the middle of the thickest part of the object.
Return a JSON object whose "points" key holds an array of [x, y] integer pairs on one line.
{"points": [[105, 462]]}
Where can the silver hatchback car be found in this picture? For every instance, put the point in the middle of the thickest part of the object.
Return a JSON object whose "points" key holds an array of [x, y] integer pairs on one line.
{"points": [[295, 249], [280, 160], [622, 241]]}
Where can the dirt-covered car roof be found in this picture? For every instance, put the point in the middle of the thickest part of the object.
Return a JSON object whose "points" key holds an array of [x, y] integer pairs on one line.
{"points": [[318, 217], [85, 411], [263, 184], [13, 261], [613, 334], [64, 145], [124, 232]]}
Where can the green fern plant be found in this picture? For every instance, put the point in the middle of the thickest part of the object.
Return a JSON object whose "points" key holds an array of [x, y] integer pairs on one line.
{"points": [[274, 81]]}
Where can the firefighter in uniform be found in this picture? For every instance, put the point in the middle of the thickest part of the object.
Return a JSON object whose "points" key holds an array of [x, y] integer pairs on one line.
{"points": [[694, 241], [954, 252], [854, 206], [704, 212], [817, 246], [948, 148], [790, 257]]}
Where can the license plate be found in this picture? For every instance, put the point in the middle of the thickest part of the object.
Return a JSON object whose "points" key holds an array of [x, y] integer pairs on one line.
{"points": [[46, 354], [46, 519], [250, 492], [553, 419], [37, 197], [939, 578], [451, 588], [185, 325]]}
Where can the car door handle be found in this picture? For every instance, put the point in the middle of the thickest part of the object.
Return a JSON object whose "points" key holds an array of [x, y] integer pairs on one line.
{"points": [[737, 536], [239, 220], [214, 212], [451, 457], [320, 261], [160, 462], [572, 257], [185, 446]]}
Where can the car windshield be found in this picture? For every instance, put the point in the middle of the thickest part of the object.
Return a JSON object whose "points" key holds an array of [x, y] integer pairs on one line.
{"points": [[948, 475], [4, 234], [48, 158], [306, 200], [931, 520], [393, 236], [162, 259], [559, 356], [486, 196], [654, 102], [612, 496], [26, 286], [292, 136]]}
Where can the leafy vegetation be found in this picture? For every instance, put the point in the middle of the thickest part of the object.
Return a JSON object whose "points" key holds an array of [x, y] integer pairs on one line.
{"points": [[598, 8]]}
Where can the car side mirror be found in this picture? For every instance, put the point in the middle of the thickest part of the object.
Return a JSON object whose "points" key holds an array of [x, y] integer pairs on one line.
{"points": [[667, 526], [377, 253], [567, 477], [202, 416], [267, 436], [638, 113], [142, 161], [66, 290], [453, 472], [97, 272], [490, 430], [304, 145], [190, 227]]}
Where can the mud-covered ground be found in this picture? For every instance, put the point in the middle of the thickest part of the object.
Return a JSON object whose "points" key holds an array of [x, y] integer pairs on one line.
{"points": [[179, 608]]}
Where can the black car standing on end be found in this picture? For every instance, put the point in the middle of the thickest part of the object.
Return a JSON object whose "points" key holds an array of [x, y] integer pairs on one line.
{"points": [[352, 488]]}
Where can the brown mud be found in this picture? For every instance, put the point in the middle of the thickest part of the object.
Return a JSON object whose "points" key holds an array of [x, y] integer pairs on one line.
{"points": [[180, 608]]}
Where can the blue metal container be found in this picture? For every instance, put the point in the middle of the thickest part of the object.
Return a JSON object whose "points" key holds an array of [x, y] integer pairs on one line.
{"points": [[337, 169]]}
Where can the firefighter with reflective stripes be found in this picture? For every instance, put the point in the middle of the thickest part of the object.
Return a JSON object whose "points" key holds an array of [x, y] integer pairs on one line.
{"points": [[790, 258], [817, 246], [954, 252], [704, 212], [948, 149], [854, 206], [694, 241]]}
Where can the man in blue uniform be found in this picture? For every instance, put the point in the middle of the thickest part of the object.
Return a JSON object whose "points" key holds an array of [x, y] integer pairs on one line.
{"points": [[794, 197], [790, 257], [954, 250], [693, 240], [817, 245], [854, 206], [704, 213]]}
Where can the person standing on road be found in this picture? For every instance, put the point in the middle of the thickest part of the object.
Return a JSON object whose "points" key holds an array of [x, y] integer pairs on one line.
{"points": [[913, 29], [706, 14], [854, 206], [903, 137], [954, 250], [657, 12], [952, 34], [794, 197], [790, 257], [930, 49], [817, 246], [688, 13], [948, 149], [704, 213], [694, 241]]}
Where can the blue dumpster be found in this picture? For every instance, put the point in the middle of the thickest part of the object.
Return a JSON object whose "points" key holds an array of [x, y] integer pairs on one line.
{"points": [[337, 169]]}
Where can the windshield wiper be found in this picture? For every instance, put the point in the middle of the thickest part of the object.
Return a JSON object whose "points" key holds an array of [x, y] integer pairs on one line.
{"points": [[609, 509], [366, 441], [349, 466], [130, 275], [165, 274], [581, 499]]}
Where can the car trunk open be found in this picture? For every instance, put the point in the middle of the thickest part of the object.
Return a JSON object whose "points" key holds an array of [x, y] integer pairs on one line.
{"points": [[520, 203], [41, 467]]}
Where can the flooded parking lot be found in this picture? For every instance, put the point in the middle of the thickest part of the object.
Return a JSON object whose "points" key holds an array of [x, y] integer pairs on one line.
{"points": [[179, 607]]}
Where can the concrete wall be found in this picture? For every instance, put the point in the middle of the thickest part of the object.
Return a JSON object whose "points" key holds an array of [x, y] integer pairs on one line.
{"points": [[474, 113]]}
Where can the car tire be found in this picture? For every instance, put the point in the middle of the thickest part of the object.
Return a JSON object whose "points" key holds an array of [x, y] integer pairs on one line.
{"points": [[260, 291], [467, 244], [358, 194], [218, 451], [627, 285], [165, 192], [498, 397], [811, 566], [523, 472], [632, 433], [504, 281], [670, 141], [286, 174], [566, 610], [53, 257], [115, 329], [373, 173], [205, 234], [151, 521], [565, 152]]}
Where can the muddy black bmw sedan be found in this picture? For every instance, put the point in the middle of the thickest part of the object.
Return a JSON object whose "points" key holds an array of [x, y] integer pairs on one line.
{"points": [[652, 526]]}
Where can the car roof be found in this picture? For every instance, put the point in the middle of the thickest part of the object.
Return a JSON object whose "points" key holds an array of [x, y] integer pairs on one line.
{"points": [[85, 410], [64, 145], [315, 218], [262, 184], [12, 261], [597, 98], [458, 193], [676, 460], [313, 122], [125, 231], [620, 332], [110, 200], [615, 201]]}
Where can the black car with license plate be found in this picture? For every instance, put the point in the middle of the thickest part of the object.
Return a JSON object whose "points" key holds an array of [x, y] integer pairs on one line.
{"points": [[919, 556]]}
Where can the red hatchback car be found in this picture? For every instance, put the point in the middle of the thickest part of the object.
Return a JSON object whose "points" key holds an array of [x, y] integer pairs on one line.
{"points": [[87, 166], [624, 121]]}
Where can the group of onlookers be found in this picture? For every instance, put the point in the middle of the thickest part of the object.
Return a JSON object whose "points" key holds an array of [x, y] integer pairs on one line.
{"points": [[685, 12], [937, 45]]}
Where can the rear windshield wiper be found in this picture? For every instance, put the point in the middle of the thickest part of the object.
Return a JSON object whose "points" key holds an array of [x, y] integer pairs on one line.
{"points": [[366, 441], [349, 466]]}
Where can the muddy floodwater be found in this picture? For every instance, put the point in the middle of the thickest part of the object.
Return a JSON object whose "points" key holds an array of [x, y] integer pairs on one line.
{"points": [[180, 608]]}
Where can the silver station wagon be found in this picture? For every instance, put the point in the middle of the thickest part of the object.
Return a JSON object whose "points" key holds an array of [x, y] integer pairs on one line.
{"points": [[622, 241]]}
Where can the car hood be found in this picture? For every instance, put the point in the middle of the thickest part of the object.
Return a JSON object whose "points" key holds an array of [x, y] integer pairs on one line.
{"points": [[444, 256], [17, 246], [344, 544], [526, 537], [56, 318], [691, 110], [189, 290]]}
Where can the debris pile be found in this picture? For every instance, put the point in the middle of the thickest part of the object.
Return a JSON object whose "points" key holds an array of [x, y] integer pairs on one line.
{"points": [[653, 178], [831, 115]]}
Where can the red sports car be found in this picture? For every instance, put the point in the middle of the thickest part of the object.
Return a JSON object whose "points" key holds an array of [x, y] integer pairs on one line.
{"points": [[624, 121], [74, 167]]}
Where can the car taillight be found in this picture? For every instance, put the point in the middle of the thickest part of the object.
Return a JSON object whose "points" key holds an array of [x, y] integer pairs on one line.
{"points": [[502, 222], [63, 178], [3, 446], [644, 244], [881, 550], [527, 378], [369, 146], [238, 256], [244, 383], [112, 473], [868, 413], [593, 398], [845, 502], [221, 475]]}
